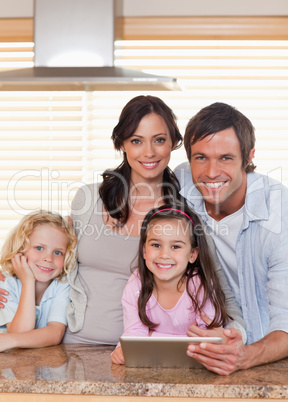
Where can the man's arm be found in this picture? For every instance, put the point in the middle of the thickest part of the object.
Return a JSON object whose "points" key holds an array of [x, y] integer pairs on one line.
{"points": [[272, 347], [234, 355]]}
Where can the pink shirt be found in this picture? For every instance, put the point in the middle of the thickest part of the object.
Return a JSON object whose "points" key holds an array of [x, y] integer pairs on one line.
{"points": [[173, 322]]}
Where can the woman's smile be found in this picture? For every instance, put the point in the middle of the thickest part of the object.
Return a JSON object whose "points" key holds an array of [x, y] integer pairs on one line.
{"points": [[150, 165], [148, 150]]}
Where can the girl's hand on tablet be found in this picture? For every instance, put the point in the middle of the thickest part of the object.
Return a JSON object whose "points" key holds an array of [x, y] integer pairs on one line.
{"points": [[117, 356]]}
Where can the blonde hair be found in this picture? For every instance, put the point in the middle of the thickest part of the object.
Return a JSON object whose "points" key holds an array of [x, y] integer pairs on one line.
{"points": [[18, 239]]}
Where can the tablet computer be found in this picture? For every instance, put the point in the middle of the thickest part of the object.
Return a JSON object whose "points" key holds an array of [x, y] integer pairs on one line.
{"points": [[161, 351]]}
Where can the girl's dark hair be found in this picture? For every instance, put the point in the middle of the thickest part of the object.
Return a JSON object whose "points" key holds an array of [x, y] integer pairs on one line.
{"points": [[203, 266], [114, 190]]}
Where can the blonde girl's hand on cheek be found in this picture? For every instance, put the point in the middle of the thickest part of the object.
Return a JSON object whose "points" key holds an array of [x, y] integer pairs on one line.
{"points": [[22, 269], [117, 356]]}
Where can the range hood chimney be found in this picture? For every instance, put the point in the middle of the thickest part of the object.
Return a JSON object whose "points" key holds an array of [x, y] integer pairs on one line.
{"points": [[74, 50]]}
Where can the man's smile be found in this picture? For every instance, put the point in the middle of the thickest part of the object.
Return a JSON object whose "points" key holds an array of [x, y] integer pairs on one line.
{"points": [[214, 185]]}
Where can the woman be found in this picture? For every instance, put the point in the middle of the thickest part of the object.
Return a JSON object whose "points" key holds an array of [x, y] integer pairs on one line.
{"points": [[108, 217]]}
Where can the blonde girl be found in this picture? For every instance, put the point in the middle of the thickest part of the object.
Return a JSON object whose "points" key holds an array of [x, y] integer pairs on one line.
{"points": [[36, 256]]}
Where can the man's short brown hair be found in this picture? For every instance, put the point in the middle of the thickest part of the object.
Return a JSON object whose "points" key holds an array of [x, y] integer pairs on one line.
{"points": [[218, 117]]}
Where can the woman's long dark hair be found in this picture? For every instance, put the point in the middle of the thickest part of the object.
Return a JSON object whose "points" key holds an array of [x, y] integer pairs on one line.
{"points": [[114, 190], [203, 266]]}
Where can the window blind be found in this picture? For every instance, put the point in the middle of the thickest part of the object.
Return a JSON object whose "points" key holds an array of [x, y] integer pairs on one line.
{"points": [[41, 152], [250, 75], [54, 142]]}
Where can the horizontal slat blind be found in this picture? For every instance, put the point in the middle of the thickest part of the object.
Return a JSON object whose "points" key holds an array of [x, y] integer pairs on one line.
{"points": [[250, 75], [41, 156], [16, 55], [53, 142]]}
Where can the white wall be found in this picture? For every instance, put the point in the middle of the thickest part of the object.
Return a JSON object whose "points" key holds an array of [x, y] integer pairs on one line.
{"points": [[24, 8], [204, 7], [16, 8]]}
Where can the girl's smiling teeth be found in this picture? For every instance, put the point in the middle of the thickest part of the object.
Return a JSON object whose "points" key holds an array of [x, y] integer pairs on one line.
{"points": [[164, 266], [44, 268]]}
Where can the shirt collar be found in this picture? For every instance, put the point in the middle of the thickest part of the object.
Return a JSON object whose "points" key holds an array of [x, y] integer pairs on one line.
{"points": [[255, 203], [49, 292]]}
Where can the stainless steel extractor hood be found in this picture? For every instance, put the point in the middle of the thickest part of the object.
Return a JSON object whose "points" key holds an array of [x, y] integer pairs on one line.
{"points": [[74, 50]]}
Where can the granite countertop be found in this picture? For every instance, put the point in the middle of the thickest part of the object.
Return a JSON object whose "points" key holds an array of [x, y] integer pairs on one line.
{"points": [[87, 370]]}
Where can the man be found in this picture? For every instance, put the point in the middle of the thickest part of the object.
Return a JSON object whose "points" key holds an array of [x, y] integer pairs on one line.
{"points": [[247, 216]]}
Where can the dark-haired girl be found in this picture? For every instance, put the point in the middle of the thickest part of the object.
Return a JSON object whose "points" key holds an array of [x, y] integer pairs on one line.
{"points": [[176, 281]]}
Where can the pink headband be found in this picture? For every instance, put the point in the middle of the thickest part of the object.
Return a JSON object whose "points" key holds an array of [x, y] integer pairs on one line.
{"points": [[174, 209]]}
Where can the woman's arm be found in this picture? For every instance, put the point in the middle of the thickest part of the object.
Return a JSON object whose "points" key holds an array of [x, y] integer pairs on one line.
{"points": [[83, 205], [3, 292], [50, 335]]}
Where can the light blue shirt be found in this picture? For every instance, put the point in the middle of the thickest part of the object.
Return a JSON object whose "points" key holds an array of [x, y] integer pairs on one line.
{"points": [[261, 251], [52, 306]]}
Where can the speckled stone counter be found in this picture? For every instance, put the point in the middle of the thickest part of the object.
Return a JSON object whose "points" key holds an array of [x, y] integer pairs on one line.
{"points": [[87, 370]]}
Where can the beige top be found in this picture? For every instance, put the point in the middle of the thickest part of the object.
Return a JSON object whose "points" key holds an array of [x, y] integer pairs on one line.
{"points": [[105, 262]]}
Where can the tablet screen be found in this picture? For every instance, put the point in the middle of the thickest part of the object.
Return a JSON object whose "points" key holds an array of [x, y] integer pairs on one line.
{"points": [[161, 351]]}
